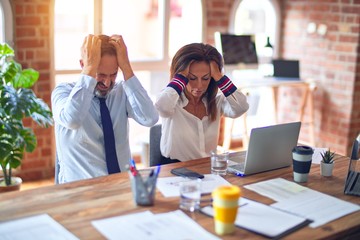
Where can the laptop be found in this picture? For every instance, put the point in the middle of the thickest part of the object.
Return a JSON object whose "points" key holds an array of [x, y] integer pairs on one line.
{"points": [[352, 182], [269, 148], [286, 69]]}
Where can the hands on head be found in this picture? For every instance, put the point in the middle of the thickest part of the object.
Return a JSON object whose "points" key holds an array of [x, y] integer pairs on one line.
{"points": [[91, 55], [215, 71]]}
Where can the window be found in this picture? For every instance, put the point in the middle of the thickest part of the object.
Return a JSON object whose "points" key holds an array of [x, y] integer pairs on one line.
{"points": [[153, 30], [6, 22], [260, 18]]}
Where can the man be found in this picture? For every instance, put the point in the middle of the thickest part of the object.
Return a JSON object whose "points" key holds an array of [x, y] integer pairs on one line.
{"points": [[81, 146]]}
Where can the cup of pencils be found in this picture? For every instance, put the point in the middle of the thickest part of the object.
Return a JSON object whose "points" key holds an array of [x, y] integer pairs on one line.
{"points": [[143, 184]]}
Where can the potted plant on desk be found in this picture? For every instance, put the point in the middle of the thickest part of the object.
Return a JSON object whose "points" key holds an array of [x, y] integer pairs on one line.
{"points": [[327, 163], [17, 101]]}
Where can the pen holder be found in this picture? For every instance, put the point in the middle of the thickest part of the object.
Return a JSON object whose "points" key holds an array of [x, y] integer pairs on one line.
{"points": [[143, 185]]}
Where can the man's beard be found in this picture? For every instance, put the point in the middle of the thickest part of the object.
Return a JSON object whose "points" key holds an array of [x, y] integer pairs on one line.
{"points": [[99, 94]]}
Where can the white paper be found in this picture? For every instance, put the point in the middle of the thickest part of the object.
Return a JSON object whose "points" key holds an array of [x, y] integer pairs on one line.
{"points": [[149, 226], [262, 218], [169, 186], [316, 206], [39, 227], [303, 201], [277, 189]]}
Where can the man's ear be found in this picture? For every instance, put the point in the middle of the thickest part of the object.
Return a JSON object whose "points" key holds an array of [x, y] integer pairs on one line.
{"points": [[81, 63]]}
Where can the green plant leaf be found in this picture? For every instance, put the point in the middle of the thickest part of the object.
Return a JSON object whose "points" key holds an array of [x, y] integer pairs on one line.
{"points": [[6, 50], [18, 101], [26, 78]]}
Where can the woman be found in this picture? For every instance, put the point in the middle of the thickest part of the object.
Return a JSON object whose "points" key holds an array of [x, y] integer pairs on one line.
{"points": [[191, 106]]}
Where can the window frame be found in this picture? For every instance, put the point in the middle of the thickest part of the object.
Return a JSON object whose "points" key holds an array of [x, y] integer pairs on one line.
{"points": [[277, 9], [149, 65], [8, 22]]}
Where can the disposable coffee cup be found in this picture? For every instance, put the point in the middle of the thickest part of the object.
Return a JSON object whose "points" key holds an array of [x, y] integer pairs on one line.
{"points": [[225, 204], [302, 158]]}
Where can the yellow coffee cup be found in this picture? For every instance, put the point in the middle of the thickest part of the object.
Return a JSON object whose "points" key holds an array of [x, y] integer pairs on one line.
{"points": [[225, 204]]}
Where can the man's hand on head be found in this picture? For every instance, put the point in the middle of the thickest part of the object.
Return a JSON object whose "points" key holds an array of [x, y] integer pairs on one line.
{"points": [[90, 55], [122, 56]]}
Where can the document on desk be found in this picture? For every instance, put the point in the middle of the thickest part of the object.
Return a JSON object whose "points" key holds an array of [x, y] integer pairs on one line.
{"points": [[149, 226], [169, 186], [39, 227], [294, 198], [263, 219]]}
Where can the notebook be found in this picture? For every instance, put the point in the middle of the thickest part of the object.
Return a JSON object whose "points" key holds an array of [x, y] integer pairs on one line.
{"points": [[269, 148], [352, 183]]}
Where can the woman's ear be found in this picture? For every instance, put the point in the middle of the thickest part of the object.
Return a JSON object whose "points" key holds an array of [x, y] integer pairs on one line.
{"points": [[81, 63]]}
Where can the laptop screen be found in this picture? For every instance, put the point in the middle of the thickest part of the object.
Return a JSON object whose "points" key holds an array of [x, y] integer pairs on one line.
{"points": [[286, 68]]}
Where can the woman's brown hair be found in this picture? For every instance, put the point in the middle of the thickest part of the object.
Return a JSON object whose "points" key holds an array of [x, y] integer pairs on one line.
{"points": [[199, 52]]}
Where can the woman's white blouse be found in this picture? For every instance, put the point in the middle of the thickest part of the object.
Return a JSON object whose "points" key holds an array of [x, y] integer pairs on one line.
{"points": [[186, 137]]}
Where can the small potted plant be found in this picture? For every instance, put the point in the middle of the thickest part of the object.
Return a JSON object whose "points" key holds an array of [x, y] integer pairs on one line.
{"points": [[327, 163], [17, 101]]}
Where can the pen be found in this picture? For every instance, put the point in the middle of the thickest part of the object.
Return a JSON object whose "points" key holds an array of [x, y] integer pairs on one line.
{"points": [[237, 173], [133, 167], [157, 171]]}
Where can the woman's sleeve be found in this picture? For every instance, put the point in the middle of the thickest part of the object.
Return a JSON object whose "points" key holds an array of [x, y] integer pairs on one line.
{"points": [[169, 96], [233, 102]]}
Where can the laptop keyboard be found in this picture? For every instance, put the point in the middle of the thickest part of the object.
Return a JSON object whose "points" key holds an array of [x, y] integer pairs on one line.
{"points": [[239, 167], [353, 183]]}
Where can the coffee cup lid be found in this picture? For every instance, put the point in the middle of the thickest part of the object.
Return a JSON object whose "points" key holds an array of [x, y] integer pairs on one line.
{"points": [[303, 150], [230, 192]]}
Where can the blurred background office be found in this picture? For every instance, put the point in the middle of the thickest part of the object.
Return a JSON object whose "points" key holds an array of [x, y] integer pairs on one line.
{"points": [[323, 36]]}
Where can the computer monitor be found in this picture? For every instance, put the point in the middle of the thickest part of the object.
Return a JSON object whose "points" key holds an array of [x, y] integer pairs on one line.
{"points": [[237, 50]]}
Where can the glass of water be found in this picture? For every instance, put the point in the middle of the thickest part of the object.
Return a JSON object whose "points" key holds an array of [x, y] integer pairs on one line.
{"points": [[190, 194], [219, 161]]}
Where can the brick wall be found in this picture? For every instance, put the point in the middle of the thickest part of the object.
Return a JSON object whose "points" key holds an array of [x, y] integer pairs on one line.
{"points": [[332, 61], [32, 49]]}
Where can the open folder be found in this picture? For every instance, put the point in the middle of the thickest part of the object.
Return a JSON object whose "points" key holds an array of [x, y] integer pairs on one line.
{"points": [[263, 219]]}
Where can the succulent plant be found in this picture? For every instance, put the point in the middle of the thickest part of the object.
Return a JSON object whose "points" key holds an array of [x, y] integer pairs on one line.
{"points": [[328, 156]]}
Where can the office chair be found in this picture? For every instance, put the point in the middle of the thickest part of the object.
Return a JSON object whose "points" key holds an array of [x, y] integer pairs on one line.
{"points": [[154, 145]]}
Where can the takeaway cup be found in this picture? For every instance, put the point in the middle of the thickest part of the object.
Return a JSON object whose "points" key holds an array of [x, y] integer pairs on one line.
{"points": [[302, 158], [225, 204]]}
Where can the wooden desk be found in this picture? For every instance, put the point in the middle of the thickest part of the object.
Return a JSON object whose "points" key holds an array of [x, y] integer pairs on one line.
{"points": [[75, 205]]}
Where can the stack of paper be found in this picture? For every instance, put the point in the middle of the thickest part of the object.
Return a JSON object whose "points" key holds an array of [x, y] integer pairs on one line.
{"points": [[149, 226], [303, 201], [40, 227]]}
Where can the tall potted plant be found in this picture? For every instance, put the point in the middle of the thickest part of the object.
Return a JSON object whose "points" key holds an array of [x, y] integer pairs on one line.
{"points": [[17, 101]]}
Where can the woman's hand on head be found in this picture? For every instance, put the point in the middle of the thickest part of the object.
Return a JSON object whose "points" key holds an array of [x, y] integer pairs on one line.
{"points": [[216, 73], [122, 56], [186, 71], [90, 55]]}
